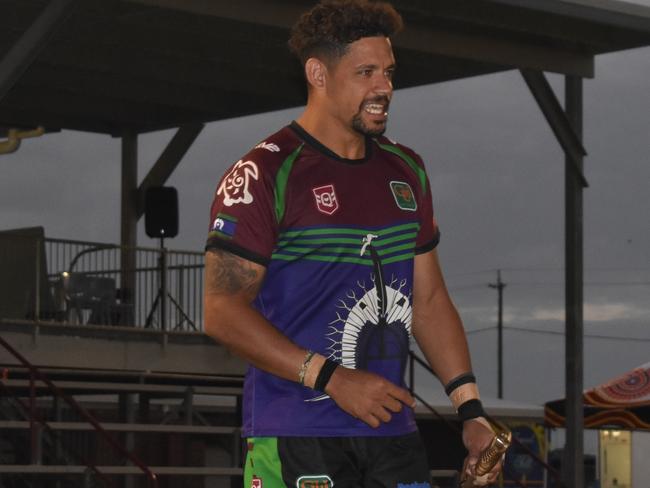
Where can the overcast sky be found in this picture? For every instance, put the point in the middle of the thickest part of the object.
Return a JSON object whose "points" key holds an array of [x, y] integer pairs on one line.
{"points": [[497, 175]]}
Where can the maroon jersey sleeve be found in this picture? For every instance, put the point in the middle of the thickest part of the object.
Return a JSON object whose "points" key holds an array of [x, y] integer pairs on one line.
{"points": [[242, 216], [429, 234]]}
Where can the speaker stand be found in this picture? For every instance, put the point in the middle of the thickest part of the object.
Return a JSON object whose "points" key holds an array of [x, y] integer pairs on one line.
{"points": [[160, 302]]}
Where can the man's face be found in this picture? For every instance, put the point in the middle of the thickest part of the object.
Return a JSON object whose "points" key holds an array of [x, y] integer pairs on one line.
{"points": [[360, 87]]}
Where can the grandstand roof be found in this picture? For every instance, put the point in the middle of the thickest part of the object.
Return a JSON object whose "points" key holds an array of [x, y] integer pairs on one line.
{"points": [[112, 66]]}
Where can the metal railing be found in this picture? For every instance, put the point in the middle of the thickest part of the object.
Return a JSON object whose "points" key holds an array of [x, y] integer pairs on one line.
{"points": [[86, 283], [35, 420], [168, 285]]}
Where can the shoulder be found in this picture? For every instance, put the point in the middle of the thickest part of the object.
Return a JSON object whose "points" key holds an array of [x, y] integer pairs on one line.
{"points": [[407, 156], [401, 150], [271, 152]]}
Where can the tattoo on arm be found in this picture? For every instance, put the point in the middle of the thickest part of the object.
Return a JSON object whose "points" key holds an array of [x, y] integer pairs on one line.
{"points": [[226, 273]]}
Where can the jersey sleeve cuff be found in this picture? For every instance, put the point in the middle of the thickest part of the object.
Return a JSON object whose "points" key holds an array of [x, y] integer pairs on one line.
{"points": [[216, 243], [429, 245]]}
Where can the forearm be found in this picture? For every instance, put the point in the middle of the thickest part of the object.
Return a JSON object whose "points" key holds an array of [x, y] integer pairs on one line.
{"points": [[439, 332], [437, 327], [231, 285], [245, 332]]}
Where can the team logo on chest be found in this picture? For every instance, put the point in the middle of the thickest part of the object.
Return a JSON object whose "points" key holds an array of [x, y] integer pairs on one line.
{"points": [[326, 200], [403, 195], [234, 187]]}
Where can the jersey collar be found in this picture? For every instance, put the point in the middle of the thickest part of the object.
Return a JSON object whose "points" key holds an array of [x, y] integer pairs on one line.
{"points": [[320, 147]]}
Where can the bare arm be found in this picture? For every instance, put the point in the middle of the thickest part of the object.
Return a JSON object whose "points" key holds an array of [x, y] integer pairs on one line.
{"points": [[231, 284], [439, 332], [437, 327]]}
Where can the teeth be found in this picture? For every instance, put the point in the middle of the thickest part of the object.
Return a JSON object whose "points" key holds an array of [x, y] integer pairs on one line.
{"points": [[375, 108]]}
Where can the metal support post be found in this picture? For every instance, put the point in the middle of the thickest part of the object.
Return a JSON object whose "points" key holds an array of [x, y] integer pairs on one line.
{"points": [[129, 223], [37, 282], [163, 286], [573, 465]]}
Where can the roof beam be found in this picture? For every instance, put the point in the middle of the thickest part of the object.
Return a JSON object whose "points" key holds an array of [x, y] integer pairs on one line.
{"points": [[168, 161], [29, 45], [558, 120], [66, 104], [486, 49], [500, 52], [155, 69], [616, 13]]}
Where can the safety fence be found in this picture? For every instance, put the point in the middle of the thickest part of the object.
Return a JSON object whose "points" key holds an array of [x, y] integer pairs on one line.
{"points": [[95, 283]]}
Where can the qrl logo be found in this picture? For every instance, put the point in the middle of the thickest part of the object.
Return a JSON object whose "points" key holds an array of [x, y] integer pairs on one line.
{"points": [[257, 482], [326, 201]]}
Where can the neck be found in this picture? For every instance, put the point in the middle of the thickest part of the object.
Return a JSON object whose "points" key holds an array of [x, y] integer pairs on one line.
{"points": [[329, 131]]}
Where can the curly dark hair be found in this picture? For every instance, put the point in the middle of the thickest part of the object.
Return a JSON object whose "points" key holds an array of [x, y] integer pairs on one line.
{"points": [[327, 29]]}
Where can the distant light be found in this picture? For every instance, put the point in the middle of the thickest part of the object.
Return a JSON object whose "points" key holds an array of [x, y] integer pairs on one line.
{"points": [[65, 274]]}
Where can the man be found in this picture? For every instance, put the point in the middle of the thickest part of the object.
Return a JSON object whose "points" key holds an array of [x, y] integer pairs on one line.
{"points": [[321, 265]]}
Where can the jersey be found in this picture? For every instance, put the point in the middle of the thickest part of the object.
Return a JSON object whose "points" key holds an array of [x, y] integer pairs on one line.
{"points": [[338, 238]]}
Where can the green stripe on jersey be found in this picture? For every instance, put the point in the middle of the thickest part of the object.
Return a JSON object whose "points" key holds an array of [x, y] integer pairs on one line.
{"points": [[346, 230], [227, 217], [344, 250], [379, 243], [343, 244], [342, 259], [281, 178], [218, 233], [422, 176]]}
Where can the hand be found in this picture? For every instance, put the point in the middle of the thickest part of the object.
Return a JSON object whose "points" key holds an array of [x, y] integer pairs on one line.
{"points": [[367, 396], [477, 436]]}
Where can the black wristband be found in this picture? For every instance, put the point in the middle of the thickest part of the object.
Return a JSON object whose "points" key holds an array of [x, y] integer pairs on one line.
{"points": [[470, 410], [325, 374], [458, 381]]}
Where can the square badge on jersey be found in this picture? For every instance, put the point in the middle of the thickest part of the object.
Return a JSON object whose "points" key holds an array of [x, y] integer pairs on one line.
{"points": [[403, 194]]}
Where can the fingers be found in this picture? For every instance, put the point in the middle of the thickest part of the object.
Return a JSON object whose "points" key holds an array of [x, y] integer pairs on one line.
{"points": [[402, 395], [377, 417], [367, 396], [393, 405]]}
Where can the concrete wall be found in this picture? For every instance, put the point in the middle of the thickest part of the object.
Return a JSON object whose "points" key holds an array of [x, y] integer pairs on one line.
{"points": [[117, 348]]}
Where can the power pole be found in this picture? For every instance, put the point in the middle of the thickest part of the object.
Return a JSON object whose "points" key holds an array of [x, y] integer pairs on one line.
{"points": [[499, 286]]}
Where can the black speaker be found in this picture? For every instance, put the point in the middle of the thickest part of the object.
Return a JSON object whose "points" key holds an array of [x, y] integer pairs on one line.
{"points": [[161, 211]]}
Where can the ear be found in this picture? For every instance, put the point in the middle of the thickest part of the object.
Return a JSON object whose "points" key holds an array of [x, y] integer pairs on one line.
{"points": [[316, 72]]}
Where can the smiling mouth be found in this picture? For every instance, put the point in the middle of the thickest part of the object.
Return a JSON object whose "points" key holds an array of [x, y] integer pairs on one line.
{"points": [[376, 109]]}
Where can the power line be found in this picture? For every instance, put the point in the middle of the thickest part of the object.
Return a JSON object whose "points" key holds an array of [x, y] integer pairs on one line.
{"points": [[466, 287], [477, 331], [586, 283], [547, 268], [552, 332], [591, 336]]}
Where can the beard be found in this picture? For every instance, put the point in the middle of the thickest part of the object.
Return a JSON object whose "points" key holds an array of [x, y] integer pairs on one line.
{"points": [[364, 129]]}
